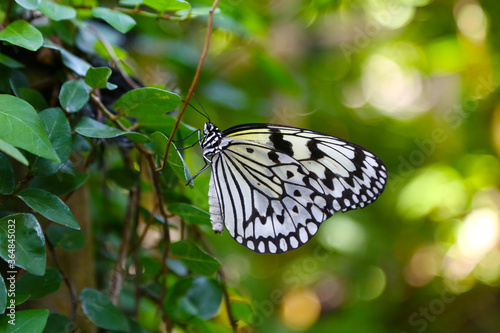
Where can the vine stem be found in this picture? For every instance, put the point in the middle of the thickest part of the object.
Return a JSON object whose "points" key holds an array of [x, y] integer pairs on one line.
{"points": [[67, 282], [7, 13], [193, 83], [117, 279]]}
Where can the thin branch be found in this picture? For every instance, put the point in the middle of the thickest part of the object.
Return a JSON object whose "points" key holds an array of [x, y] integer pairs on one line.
{"points": [[115, 119], [164, 269], [7, 13], [115, 59], [195, 80], [71, 290], [227, 302], [117, 279]]}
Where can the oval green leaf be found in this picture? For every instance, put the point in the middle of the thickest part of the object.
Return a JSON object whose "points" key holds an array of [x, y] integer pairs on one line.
{"points": [[205, 295], [9, 62], [49, 205], [60, 183], [174, 160], [6, 176], [3, 295], [94, 129], [198, 261], [120, 21], [32, 321], [39, 286], [167, 5], [68, 239], [99, 309], [73, 95], [22, 34], [55, 11], [190, 213], [28, 4], [21, 127], [57, 323], [98, 77], [13, 152], [146, 101], [29, 243], [57, 127]]}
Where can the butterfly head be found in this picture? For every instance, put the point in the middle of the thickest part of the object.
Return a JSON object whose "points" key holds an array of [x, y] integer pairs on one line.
{"points": [[211, 136]]}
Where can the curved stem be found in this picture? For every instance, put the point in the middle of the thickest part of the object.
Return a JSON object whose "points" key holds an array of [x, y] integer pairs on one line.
{"points": [[195, 80]]}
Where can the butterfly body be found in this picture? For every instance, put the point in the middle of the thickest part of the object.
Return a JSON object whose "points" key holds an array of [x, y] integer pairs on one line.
{"points": [[272, 186]]}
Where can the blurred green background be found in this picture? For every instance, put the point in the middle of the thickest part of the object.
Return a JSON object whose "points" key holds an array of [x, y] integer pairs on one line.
{"points": [[414, 81]]}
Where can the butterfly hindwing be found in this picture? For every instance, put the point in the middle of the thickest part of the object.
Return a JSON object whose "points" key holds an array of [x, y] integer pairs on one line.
{"points": [[276, 184]]}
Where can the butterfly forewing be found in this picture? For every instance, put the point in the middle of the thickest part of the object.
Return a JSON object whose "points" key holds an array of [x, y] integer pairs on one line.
{"points": [[273, 185]]}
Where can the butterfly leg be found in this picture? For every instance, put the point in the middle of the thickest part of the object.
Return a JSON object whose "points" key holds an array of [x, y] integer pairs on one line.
{"points": [[208, 163], [194, 144]]}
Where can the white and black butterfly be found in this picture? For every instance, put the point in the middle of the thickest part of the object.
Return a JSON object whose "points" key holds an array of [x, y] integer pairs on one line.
{"points": [[272, 186]]}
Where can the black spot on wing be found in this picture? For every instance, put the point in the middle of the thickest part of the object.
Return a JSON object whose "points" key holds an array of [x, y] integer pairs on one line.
{"points": [[250, 150], [289, 174], [279, 143], [316, 153], [273, 156], [328, 181]]}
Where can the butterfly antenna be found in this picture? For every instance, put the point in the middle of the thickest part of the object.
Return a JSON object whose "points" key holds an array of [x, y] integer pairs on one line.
{"points": [[203, 114], [204, 111]]}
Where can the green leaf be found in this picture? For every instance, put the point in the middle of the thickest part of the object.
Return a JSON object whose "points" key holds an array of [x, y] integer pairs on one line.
{"points": [[167, 5], [13, 152], [176, 305], [99, 309], [33, 97], [197, 12], [32, 321], [49, 205], [17, 81], [120, 21], [124, 177], [73, 95], [60, 183], [198, 261], [101, 50], [146, 101], [205, 295], [28, 4], [55, 11], [190, 297], [21, 127], [242, 311], [137, 137], [57, 323], [77, 65], [6, 176], [57, 127], [22, 34], [190, 213], [94, 129], [98, 77], [130, 3], [29, 243], [174, 160], [68, 239], [39, 286], [3, 295], [9, 62]]}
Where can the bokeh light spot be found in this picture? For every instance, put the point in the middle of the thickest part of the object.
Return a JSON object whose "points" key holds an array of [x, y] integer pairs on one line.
{"points": [[300, 309]]}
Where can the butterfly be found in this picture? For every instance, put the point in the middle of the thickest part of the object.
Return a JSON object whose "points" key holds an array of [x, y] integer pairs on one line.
{"points": [[272, 186]]}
